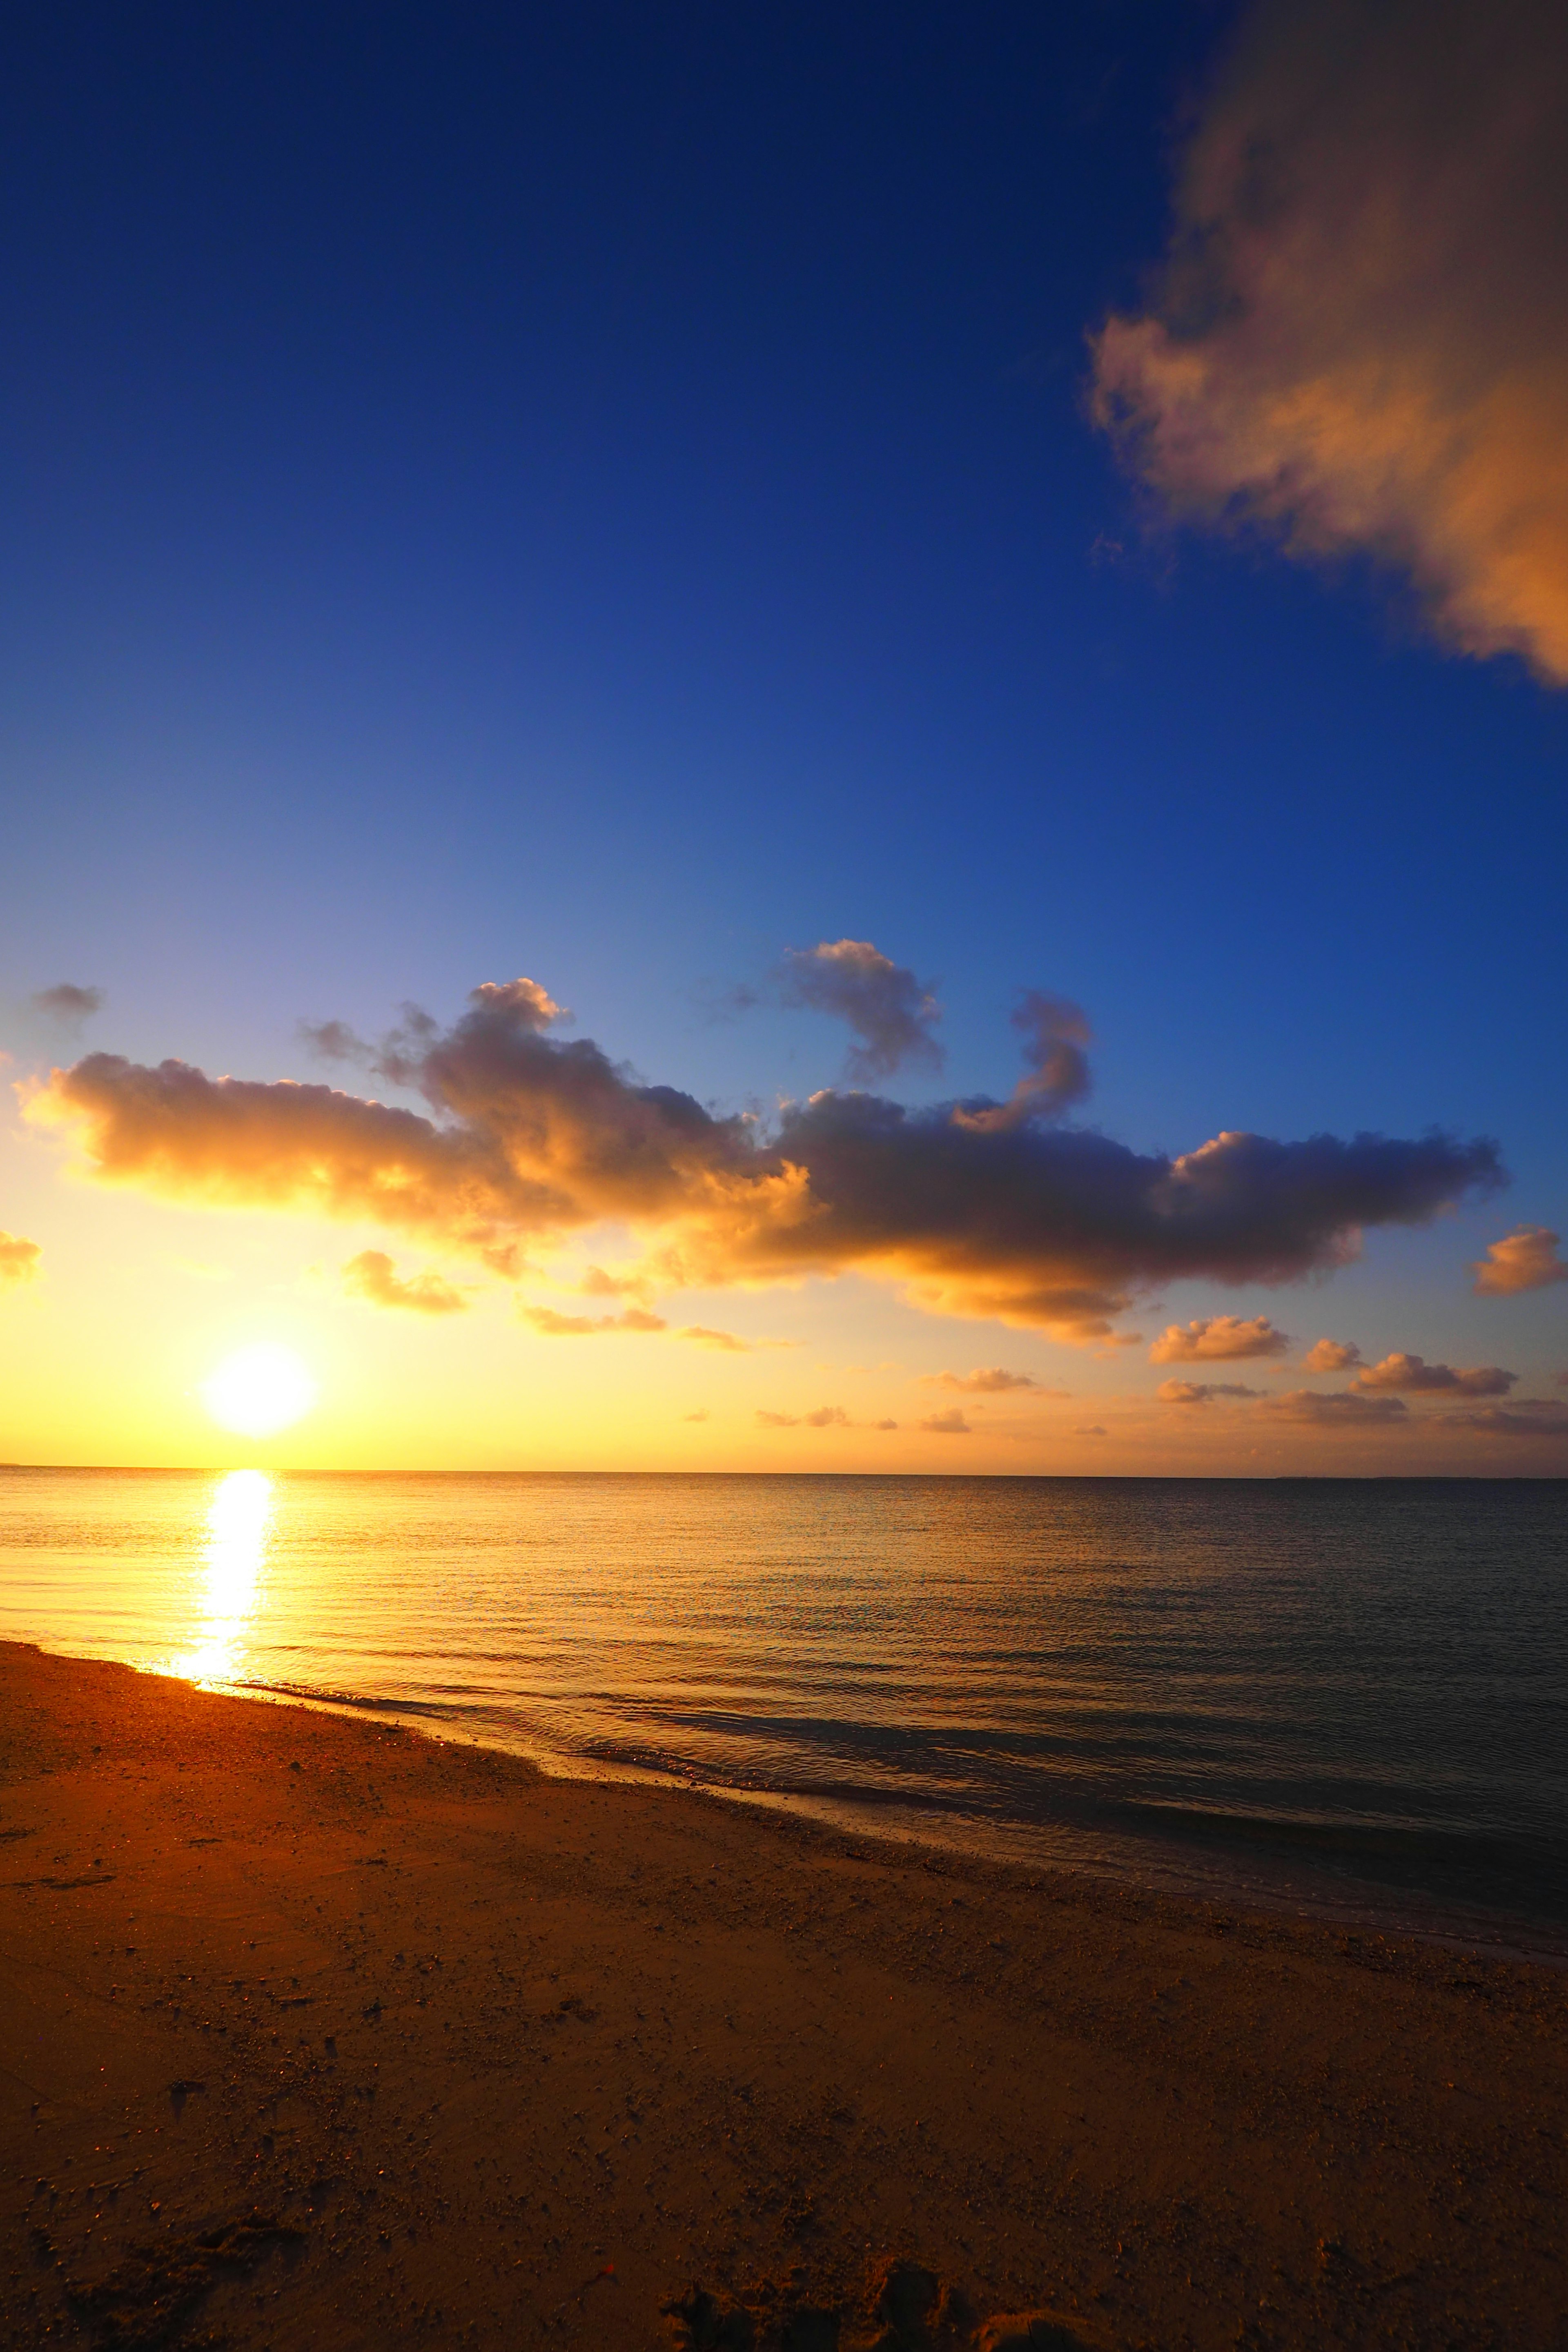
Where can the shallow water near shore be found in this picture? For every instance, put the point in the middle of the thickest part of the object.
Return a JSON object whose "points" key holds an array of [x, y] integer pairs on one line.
{"points": [[1350, 1695]]}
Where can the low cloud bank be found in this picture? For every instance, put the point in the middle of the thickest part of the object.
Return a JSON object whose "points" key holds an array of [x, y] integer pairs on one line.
{"points": [[1413, 1376], [1340, 1409], [1358, 345], [528, 1135]]}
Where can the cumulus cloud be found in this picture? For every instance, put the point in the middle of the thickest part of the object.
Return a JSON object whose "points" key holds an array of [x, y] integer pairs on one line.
{"points": [[1054, 1033], [1358, 344], [703, 1416], [1200, 1391], [554, 1326], [948, 1424], [19, 1259], [1413, 1376], [1331, 1355], [1339, 1409], [827, 1416], [370, 1275], [1218, 1339], [66, 1001], [1527, 1417], [528, 1135], [1525, 1259], [994, 1383], [597, 1284], [884, 1424], [891, 1014]]}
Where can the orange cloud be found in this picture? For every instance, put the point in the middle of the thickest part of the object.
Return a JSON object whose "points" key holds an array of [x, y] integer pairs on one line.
{"points": [[1331, 1355], [704, 1337], [1358, 343], [948, 1424], [527, 1135], [1525, 1259], [370, 1275], [552, 1326], [827, 1416], [19, 1259], [1413, 1376], [1218, 1339], [994, 1383]]}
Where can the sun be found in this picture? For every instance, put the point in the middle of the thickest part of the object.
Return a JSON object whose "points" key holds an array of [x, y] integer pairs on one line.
{"points": [[259, 1391]]}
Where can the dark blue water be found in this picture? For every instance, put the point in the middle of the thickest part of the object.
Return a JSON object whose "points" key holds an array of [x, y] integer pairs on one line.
{"points": [[1347, 1693]]}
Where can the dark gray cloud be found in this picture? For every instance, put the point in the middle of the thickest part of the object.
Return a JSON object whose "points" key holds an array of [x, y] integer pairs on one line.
{"points": [[531, 1135], [1405, 1375], [1359, 344], [1200, 1391], [891, 1014], [65, 1001], [372, 1276], [1526, 1417]]}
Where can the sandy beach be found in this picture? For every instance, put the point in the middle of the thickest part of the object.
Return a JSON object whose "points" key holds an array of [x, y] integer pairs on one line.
{"points": [[319, 2033]]}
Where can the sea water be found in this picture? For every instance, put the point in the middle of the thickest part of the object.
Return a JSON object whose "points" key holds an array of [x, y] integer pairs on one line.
{"points": [[1341, 1695]]}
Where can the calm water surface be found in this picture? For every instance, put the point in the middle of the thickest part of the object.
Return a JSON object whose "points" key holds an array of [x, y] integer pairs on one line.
{"points": [[1349, 1693]]}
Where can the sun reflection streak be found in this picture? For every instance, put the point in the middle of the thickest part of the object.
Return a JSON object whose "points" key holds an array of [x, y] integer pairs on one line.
{"points": [[237, 1524]]}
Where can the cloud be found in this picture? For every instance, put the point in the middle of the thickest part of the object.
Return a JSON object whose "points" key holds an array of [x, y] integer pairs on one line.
{"points": [[66, 1001], [827, 1416], [528, 1135], [1089, 1429], [334, 1041], [890, 1012], [1054, 1033], [1218, 1339], [1331, 1355], [1200, 1391], [948, 1424], [1525, 1259], [1337, 1410], [597, 1284], [370, 1275], [19, 1259], [704, 1337], [1358, 344], [884, 1424], [1527, 1417], [1413, 1376], [703, 1416], [552, 1326], [993, 1382]]}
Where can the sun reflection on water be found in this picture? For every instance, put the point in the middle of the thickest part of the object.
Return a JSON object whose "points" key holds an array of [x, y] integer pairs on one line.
{"points": [[235, 1555]]}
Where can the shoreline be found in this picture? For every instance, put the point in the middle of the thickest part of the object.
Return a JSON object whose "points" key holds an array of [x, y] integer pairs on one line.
{"points": [[1281, 1883], [534, 2053]]}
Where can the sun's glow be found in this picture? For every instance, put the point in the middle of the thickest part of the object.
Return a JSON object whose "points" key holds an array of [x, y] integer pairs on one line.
{"points": [[234, 1556], [259, 1391]]}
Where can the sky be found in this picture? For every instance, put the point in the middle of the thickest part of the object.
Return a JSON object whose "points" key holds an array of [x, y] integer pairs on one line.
{"points": [[786, 738]]}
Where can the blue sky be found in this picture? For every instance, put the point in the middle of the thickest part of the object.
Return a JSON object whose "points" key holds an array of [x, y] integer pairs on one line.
{"points": [[610, 494]]}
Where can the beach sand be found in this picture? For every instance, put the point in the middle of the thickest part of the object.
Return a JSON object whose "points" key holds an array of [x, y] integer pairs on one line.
{"points": [[318, 2033]]}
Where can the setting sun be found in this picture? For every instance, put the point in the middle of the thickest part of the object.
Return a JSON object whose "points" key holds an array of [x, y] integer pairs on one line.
{"points": [[260, 1390]]}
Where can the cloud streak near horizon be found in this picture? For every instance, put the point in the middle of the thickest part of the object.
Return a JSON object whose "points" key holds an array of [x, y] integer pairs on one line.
{"points": [[528, 1138], [1357, 345]]}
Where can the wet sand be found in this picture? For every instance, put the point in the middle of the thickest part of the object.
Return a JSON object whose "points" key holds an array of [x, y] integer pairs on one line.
{"points": [[314, 2034]]}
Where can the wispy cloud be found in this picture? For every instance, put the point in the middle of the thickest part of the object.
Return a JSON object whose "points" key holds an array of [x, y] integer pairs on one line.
{"points": [[992, 1382], [1526, 1259], [372, 1276], [1218, 1339], [893, 1016], [553, 1325], [19, 1259], [704, 1337], [65, 1001], [1359, 344], [528, 1135], [1526, 1417], [1056, 1074], [827, 1416]]}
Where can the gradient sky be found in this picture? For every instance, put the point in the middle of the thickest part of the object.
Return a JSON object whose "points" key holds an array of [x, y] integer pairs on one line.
{"points": [[635, 497]]}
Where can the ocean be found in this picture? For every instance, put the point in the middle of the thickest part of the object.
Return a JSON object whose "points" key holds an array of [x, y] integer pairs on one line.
{"points": [[1346, 1697]]}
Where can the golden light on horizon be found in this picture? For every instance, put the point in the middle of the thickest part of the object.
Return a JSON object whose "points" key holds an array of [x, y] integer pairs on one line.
{"points": [[260, 1390]]}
